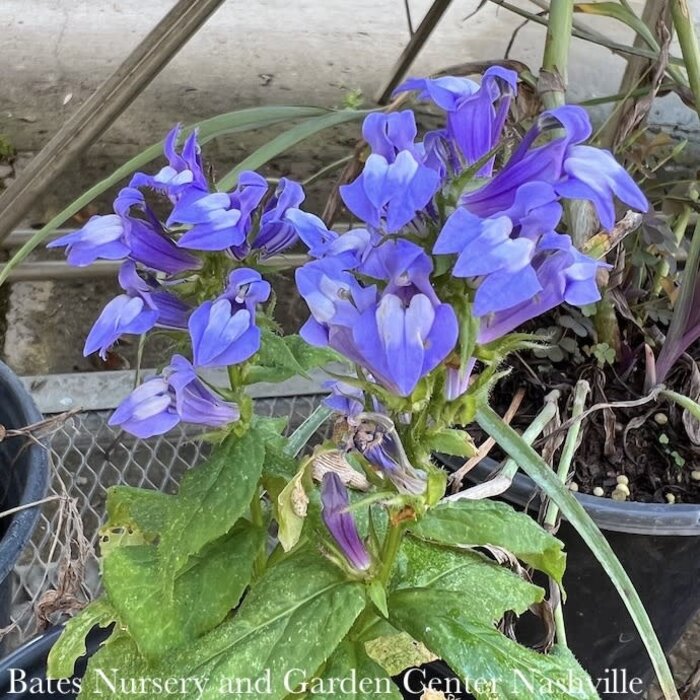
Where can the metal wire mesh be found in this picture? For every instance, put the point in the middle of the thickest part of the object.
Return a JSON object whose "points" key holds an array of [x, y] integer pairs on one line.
{"points": [[88, 457]]}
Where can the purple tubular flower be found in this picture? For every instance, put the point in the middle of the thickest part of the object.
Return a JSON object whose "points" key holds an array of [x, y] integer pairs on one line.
{"points": [[348, 248], [138, 310], [390, 194], [176, 395], [398, 337], [570, 169], [276, 232], [335, 500], [389, 134], [223, 331], [220, 220], [345, 398], [565, 275], [475, 115], [121, 235], [102, 237], [184, 173]]}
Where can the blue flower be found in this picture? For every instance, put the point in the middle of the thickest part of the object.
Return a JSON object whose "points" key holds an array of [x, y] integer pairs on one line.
{"points": [[564, 275], [476, 114], [139, 309], [220, 220], [176, 395], [388, 195], [569, 169], [276, 233], [349, 248], [184, 174], [123, 234], [335, 501], [399, 336], [223, 331]]}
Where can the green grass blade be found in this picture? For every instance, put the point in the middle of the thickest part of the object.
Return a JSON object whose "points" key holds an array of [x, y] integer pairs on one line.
{"points": [[287, 140], [231, 122], [538, 470], [305, 431]]}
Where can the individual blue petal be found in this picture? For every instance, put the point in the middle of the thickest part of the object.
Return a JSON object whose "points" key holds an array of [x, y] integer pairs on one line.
{"points": [[345, 398], [149, 410], [503, 290], [151, 247], [594, 174], [246, 288], [388, 134], [445, 92], [124, 314], [457, 379], [100, 238], [222, 335], [335, 501]]}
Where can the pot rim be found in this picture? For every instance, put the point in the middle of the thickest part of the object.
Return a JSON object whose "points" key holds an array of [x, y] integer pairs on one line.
{"points": [[632, 517], [36, 484]]}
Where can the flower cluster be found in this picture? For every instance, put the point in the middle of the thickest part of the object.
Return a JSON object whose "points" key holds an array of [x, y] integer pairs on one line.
{"points": [[445, 227], [164, 259], [453, 235]]}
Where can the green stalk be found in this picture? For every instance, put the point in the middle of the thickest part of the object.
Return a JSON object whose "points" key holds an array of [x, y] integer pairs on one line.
{"points": [[390, 550], [567, 455], [258, 518], [678, 234], [538, 470], [688, 39], [556, 53], [305, 431]]}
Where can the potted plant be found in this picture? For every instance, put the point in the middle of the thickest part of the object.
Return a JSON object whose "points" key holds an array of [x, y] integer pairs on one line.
{"points": [[24, 478], [456, 249]]}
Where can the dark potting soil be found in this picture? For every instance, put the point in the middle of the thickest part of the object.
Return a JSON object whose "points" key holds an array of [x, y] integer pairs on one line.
{"points": [[650, 444]]}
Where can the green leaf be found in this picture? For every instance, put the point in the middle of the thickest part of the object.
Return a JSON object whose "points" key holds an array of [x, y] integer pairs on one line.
{"points": [[477, 523], [377, 594], [294, 618], [451, 441], [287, 140], [280, 358], [205, 591], [621, 13], [71, 644], [292, 505], [232, 122], [539, 471], [397, 652], [116, 660], [352, 675], [143, 510], [426, 565], [492, 666], [212, 498]]}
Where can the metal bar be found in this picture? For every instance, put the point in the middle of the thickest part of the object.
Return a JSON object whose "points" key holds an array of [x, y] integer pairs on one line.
{"points": [[20, 236], [100, 391], [59, 270], [421, 35], [103, 107]]}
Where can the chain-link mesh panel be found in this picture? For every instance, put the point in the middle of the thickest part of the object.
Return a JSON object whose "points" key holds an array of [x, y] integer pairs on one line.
{"points": [[55, 574]]}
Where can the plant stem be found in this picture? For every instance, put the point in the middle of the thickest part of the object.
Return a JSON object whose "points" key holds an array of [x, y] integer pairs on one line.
{"points": [[539, 471], [688, 39], [258, 518], [678, 234], [552, 512], [556, 53], [392, 542]]}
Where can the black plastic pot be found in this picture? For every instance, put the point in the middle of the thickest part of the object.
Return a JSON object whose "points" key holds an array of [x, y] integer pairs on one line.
{"points": [[659, 546], [23, 672], [24, 478]]}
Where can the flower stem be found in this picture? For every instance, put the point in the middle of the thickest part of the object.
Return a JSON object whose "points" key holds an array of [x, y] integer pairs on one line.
{"points": [[553, 74], [688, 39], [258, 518], [390, 550]]}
